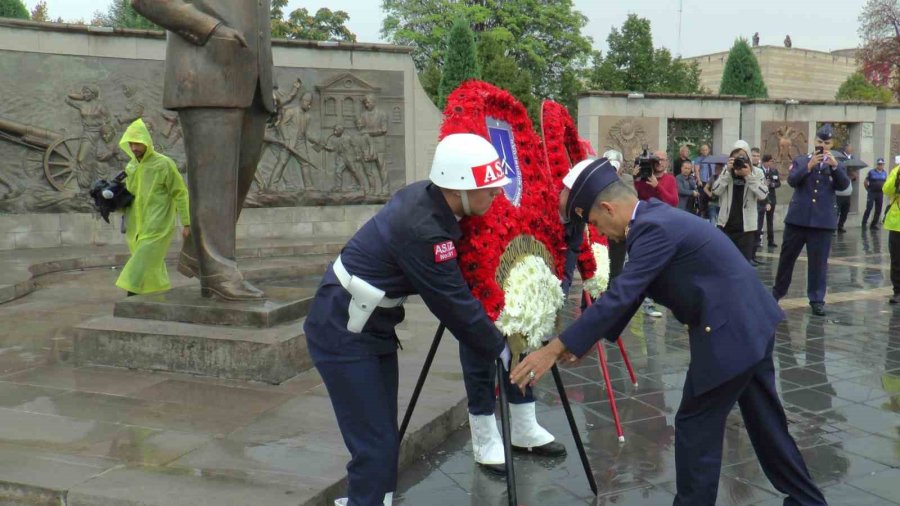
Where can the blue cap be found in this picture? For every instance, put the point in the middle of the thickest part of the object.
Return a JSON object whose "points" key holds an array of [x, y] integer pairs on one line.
{"points": [[592, 180], [880, 161], [825, 133]]}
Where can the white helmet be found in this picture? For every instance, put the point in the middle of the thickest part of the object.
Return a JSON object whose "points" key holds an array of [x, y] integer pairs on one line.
{"points": [[467, 162], [615, 158]]}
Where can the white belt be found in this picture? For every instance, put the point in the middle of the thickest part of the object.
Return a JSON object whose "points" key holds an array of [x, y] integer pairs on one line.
{"points": [[364, 297]]}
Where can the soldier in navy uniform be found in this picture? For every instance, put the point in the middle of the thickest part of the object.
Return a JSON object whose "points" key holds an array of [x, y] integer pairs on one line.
{"points": [[811, 219], [407, 248], [691, 268]]}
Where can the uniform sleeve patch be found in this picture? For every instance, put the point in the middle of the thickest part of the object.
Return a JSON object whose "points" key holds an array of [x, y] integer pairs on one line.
{"points": [[444, 251]]}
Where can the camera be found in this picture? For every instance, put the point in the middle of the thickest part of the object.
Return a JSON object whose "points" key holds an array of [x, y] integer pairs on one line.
{"points": [[110, 196], [647, 162], [740, 163]]}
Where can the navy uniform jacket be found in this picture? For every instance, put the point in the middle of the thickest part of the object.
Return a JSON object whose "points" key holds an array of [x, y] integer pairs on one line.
{"points": [[812, 204], [407, 248], [574, 238], [695, 270]]}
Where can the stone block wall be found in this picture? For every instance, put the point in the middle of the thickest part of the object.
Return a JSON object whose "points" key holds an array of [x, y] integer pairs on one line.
{"points": [[27, 231]]}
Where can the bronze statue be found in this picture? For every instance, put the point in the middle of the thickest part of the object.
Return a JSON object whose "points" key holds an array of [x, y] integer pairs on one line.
{"points": [[219, 79]]}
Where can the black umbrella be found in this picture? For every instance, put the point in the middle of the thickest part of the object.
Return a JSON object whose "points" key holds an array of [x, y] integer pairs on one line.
{"points": [[851, 163], [714, 159]]}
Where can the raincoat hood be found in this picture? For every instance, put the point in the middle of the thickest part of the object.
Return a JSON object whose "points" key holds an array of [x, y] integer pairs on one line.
{"points": [[137, 132]]}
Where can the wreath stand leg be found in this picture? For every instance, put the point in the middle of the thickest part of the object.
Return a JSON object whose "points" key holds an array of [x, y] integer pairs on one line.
{"points": [[564, 398], [604, 369], [421, 382], [505, 432], [504, 412]]}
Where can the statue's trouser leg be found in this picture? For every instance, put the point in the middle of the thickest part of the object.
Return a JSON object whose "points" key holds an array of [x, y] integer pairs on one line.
{"points": [[223, 146]]}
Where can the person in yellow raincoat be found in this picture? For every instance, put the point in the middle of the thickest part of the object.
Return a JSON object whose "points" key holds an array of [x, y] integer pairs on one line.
{"points": [[159, 191]]}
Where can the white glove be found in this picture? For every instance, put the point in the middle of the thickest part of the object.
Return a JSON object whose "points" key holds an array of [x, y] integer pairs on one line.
{"points": [[505, 356]]}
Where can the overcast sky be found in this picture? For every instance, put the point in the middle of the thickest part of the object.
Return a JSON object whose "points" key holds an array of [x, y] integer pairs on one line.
{"points": [[708, 26]]}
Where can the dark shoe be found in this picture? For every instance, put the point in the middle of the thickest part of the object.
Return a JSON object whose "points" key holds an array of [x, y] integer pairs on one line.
{"points": [[818, 308], [495, 469], [842, 230], [772, 245], [551, 449], [873, 226], [233, 288], [754, 262], [894, 299]]}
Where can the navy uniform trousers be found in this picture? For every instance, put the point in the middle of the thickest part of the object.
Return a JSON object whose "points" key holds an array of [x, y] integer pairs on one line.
{"points": [[700, 430], [480, 377], [818, 247]]}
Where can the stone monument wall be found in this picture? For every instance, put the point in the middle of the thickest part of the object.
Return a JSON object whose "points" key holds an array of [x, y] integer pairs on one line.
{"points": [[67, 93]]}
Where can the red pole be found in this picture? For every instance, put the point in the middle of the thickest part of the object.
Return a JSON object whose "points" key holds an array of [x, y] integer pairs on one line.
{"points": [[609, 389]]}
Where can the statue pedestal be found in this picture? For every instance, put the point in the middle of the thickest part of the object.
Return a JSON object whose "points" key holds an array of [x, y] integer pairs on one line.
{"points": [[180, 331]]}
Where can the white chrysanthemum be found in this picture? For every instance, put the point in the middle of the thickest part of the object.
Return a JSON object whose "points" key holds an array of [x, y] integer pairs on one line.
{"points": [[533, 297], [600, 282]]}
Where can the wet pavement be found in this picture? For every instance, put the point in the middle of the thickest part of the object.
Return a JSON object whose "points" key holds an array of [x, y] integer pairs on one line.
{"points": [[839, 378], [92, 435]]}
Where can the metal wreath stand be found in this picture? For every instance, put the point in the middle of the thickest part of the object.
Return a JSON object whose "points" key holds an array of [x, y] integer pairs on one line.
{"points": [[527, 245]]}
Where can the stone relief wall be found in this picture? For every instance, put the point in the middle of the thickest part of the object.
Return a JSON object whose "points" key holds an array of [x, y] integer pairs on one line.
{"points": [[627, 135], [337, 137], [784, 140]]}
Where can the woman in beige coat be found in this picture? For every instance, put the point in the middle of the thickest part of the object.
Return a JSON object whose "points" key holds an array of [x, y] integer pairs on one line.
{"points": [[739, 187]]}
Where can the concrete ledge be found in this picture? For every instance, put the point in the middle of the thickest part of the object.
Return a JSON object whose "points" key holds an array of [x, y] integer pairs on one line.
{"points": [[19, 268], [270, 355]]}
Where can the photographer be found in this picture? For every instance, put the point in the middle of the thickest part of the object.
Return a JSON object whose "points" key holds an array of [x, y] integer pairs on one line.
{"points": [[654, 182], [159, 193], [739, 187]]}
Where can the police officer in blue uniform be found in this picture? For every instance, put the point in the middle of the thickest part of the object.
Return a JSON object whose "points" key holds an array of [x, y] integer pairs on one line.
{"points": [[691, 268], [874, 184], [811, 219], [407, 248]]}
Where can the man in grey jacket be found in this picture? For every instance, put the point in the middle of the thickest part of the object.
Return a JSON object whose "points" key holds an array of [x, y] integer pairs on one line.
{"points": [[219, 79]]}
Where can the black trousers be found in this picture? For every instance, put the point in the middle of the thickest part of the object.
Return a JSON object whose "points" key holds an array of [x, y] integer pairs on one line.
{"points": [[700, 431], [843, 209], [894, 249], [743, 241], [874, 200], [769, 217]]}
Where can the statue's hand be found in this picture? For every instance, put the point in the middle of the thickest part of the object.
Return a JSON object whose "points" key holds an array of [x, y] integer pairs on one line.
{"points": [[224, 31]]}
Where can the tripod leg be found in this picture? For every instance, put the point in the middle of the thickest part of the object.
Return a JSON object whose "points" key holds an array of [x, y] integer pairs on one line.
{"points": [[507, 444], [627, 361], [588, 472], [422, 375]]}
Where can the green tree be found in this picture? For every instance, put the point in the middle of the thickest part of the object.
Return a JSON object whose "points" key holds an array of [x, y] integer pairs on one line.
{"points": [[503, 72], [545, 36], [632, 63], [325, 24], [39, 13], [857, 88], [461, 62], [13, 9], [120, 14], [742, 75]]}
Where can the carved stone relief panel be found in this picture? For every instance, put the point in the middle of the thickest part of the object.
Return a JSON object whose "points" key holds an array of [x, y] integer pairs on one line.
{"points": [[336, 138], [627, 135]]}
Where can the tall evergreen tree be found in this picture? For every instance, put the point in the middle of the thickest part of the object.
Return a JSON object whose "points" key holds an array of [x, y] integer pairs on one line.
{"points": [[461, 60], [13, 9], [742, 75]]}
